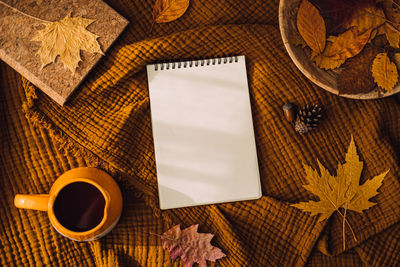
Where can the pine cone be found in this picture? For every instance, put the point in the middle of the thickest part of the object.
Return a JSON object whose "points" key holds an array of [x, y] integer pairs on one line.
{"points": [[308, 118]]}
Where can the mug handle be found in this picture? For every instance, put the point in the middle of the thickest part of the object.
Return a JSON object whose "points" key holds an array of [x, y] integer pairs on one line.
{"points": [[33, 202]]}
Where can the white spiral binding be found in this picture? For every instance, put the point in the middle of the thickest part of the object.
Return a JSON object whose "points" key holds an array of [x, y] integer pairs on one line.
{"points": [[194, 63]]}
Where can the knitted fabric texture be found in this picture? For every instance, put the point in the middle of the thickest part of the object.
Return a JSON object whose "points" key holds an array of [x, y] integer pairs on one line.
{"points": [[106, 124]]}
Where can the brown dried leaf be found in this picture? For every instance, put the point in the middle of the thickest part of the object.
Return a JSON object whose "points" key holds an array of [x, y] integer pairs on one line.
{"points": [[337, 13], [66, 38], [327, 63], [342, 191], [338, 49], [311, 26], [348, 44], [396, 60], [392, 35], [380, 40], [169, 10], [190, 245], [372, 36], [324, 62], [384, 72], [356, 76], [367, 18], [391, 10]]}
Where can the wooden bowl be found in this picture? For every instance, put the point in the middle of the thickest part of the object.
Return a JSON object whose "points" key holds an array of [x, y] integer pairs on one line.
{"points": [[326, 79]]}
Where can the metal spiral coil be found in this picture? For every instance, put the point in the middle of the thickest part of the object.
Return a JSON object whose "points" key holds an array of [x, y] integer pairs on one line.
{"points": [[194, 63]]}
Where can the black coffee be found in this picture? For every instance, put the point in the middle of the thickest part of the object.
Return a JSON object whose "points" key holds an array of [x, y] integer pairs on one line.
{"points": [[79, 206]]}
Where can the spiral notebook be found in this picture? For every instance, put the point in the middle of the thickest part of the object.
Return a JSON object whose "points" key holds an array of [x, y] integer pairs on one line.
{"points": [[203, 132]]}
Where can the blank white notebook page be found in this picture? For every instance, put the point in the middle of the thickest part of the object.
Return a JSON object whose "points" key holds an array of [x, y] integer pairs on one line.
{"points": [[203, 133]]}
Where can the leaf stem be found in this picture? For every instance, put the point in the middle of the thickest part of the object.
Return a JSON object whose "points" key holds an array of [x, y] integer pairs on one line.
{"points": [[344, 218], [348, 224], [19, 11], [150, 233], [344, 227]]}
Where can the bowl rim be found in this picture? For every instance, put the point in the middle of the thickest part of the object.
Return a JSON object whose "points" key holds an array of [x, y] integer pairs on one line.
{"points": [[289, 48]]}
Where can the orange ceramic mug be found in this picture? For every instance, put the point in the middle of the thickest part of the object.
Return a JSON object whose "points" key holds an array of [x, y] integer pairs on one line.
{"points": [[83, 204]]}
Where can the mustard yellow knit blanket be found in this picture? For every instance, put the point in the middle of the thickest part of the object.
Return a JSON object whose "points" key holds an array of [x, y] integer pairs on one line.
{"points": [[106, 123]]}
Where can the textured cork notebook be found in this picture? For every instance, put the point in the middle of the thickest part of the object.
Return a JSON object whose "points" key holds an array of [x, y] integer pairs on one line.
{"points": [[19, 51]]}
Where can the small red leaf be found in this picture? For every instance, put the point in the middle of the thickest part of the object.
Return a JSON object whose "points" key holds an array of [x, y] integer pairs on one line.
{"points": [[191, 246]]}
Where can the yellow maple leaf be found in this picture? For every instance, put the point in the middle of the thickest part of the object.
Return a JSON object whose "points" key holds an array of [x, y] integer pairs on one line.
{"points": [[65, 38], [311, 26], [384, 72], [342, 191]]}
